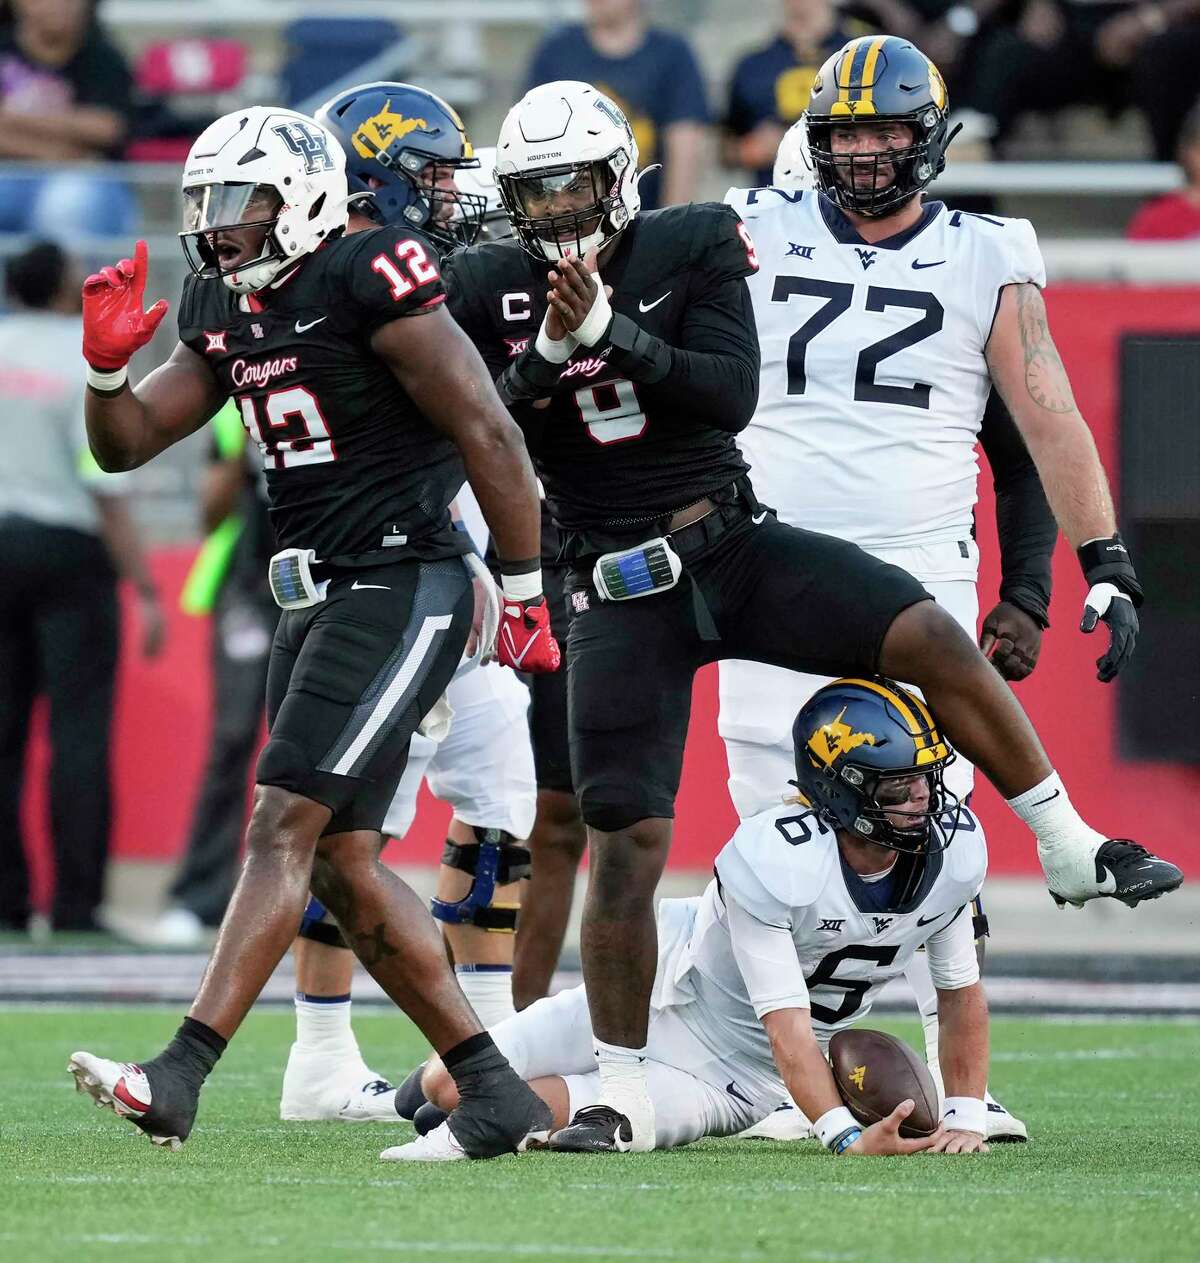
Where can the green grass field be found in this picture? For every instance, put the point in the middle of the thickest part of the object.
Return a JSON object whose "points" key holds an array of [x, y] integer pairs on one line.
{"points": [[1113, 1171]]}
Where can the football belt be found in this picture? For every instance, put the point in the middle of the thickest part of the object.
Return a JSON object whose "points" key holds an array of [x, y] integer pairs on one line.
{"points": [[495, 861]]}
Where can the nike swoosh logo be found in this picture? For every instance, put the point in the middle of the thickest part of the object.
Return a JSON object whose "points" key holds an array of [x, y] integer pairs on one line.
{"points": [[311, 324], [510, 642], [731, 1088], [918, 265], [757, 518], [356, 586], [1050, 799], [938, 915], [644, 306]]}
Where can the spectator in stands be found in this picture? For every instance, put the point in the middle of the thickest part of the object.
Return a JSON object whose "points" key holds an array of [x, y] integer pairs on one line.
{"points": [[63, 524], [771, 86], [228, 581], [65, 98], [652, 74], [1069, 52], [1175, 216]]}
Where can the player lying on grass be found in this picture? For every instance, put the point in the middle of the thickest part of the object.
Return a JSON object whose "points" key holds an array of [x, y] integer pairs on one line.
{"points": [[815, 905]]}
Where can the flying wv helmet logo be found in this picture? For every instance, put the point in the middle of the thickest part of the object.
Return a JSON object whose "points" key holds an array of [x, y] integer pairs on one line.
{"points": [[305, 141], [857, 1076], [865, 257], [381, 130], [837, 738]]}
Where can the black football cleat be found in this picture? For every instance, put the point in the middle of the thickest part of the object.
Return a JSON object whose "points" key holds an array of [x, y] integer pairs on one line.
{"points": [[1126, 871], [594, 1129], [161, 1105]]}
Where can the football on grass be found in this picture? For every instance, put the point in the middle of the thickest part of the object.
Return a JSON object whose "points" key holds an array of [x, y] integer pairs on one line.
{"points": [[875, 1072]]}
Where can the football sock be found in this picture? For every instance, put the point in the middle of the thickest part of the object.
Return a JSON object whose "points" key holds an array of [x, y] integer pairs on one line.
{"points": [[622, 1073], [489, 989], [323, 1023], [1047, 810], [191, 1055]]}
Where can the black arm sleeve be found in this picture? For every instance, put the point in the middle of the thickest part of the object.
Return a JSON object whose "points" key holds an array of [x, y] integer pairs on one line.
{"points": [[1024, 522], [714, 376]]}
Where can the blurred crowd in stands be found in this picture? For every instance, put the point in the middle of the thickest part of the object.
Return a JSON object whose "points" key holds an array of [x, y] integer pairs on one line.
{"points": [[75, 97], [71, 98]]}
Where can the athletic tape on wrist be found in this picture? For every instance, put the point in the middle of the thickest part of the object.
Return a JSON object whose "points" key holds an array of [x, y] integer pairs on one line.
{"points": [[832, 1124], [521, 587], [595, 323], [107, 381], [556, 350], [966, 1113]]}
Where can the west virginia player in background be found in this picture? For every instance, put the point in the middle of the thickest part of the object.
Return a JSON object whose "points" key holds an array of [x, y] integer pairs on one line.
{"points": [[817, 903], [406, 149], [674, 561], [367, 404], [875, 315], [752, 719]]}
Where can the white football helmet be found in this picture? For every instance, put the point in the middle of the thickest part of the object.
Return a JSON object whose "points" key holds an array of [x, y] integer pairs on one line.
{"points": [[566, 164], [480, 181], [793, 165], [268, 170]]}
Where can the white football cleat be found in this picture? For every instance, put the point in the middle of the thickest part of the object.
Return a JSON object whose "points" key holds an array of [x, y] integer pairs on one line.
{"points": [[120, 1087], [329, 1087], [438, 1145], [1003, 1127], [786, 1122]]}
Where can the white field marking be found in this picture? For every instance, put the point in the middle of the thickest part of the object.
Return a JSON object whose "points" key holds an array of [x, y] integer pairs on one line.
{"points": [[1091, 1054], [394, 1246]]}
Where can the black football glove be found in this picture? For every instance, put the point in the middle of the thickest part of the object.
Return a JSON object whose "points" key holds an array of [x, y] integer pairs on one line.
{"points": [[1114, 594]]}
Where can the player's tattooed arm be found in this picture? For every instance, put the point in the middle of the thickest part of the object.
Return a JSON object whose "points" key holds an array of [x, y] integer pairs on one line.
{"points": [[1028, 372], [443, 373], [131, 426]]}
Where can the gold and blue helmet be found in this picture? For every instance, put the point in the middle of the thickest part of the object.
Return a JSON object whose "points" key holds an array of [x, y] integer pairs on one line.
{"points": [[854, 736], [870, 81], [396, 136]]}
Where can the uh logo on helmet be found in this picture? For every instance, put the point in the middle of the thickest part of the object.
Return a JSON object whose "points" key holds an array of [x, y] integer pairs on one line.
{"points": [[566, 165], [262, 188], [854, 736], [871, 80]]}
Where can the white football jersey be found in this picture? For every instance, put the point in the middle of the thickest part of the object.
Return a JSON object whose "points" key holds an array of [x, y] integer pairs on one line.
{"points": [[783, 867], [873, 377]]}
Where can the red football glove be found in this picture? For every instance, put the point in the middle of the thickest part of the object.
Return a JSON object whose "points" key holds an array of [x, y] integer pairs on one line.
{"points": [[524, 641], [114, 324]]}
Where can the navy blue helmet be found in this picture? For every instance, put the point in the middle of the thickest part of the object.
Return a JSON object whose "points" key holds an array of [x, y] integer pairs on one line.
{"points": [[854, 736], [873, 80], [399, 139]]}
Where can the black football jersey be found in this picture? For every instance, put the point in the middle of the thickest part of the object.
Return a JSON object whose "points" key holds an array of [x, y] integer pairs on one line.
{"points": [[351, 464], [613, 453]]}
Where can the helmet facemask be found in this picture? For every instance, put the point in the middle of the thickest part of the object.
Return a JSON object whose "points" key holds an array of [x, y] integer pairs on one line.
{"points": [[229, 233], [852, 180], [451, 217], [567, 209], [925, 832]]}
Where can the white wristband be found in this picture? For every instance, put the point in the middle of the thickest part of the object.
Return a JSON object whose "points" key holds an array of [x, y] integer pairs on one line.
{"points": [[965, 1113], [833, 1123], [595, 323], [107, 381], [521, 587], [556, 350]]}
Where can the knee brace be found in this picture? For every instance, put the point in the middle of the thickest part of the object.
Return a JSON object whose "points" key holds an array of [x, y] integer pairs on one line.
{"points": [[979, 926], [319, 926], [495, 860]]}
